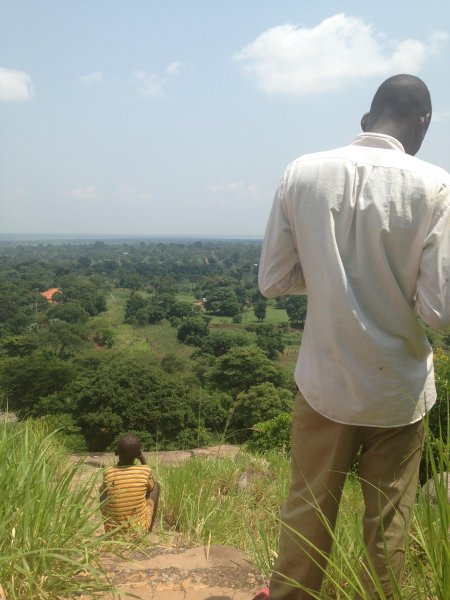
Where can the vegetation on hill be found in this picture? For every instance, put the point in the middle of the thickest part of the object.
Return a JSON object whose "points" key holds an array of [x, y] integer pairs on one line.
{"points": [[170, 340]]}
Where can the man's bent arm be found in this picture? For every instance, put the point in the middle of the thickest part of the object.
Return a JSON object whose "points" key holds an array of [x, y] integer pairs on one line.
{"points": [[433, 284], [280, 272]]}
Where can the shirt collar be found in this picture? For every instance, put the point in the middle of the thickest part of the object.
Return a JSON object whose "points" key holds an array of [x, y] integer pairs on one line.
{"points": [[378, 140]]}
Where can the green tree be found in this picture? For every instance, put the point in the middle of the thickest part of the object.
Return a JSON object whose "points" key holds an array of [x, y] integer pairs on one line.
{"points": [[63, 338], [136, 308], [172, 363], [90, 293], [19, 345], [223, 301], [219, 342], [261, 403], [243, 367], [155, 312], [164, 284], [260, 309], [269, 338], [84, 262], [132, 393], [133, 281], [71, 312], [68, 434], [296, 307], [193, 330], [26, 379], [181, 310], [18, 307]]}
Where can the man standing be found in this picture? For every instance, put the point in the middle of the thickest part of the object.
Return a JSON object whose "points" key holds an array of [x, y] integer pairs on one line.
{"points": [[364, 231]]}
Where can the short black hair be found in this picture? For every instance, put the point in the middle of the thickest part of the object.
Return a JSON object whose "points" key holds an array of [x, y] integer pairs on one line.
{"points": [[403, 95], [129, 446]]}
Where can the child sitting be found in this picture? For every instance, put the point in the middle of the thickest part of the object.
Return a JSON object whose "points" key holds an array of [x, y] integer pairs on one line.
{"points": [[129, 495]]}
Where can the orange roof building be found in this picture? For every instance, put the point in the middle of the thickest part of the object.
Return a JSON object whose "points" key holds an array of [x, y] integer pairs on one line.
{"points": [[48, 294]]}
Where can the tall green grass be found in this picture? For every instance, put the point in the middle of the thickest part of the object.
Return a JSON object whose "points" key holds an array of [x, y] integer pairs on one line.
{"points": [[51, 543], [49, 540], [429, 551], [231, 501], [236, 502]]}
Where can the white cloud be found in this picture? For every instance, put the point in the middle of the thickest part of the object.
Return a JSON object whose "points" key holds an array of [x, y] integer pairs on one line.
{"points": [[131, 193], [240, 189], [87, 192], [151, 84], [174, 68], [93, 77], [296, 61], [148, 83], [16, 194], [15, 86]]}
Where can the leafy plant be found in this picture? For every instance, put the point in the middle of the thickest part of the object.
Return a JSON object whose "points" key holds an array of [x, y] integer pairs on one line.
{"points": [[49, 545], [274, 434]]}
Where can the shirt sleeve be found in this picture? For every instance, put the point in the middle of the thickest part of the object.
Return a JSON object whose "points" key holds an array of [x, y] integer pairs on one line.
{"points": [[280, 272], [433, 289]]}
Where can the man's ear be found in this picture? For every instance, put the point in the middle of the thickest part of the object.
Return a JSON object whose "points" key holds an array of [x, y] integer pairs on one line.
{"points": [[364, 120], [425, 121], [421, 126]]}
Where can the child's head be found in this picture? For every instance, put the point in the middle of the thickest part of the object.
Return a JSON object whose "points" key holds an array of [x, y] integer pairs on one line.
{"points": [[128, 448]]}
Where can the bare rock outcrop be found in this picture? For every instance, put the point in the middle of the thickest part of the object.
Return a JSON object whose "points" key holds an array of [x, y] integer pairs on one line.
{"points": [[201, 573], [168, 457]]}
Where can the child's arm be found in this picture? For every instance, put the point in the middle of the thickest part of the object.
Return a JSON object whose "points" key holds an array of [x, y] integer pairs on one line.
{"points": [[150, 481]]}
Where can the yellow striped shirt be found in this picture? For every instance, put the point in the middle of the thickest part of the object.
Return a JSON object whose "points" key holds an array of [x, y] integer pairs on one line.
{"points": [[126, 489]]}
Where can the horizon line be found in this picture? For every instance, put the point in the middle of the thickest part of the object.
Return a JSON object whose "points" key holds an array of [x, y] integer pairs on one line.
{"points": [[131, 235]]}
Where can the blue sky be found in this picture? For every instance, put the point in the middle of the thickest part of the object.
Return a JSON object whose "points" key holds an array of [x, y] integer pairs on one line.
{"points": [[179, 117]]}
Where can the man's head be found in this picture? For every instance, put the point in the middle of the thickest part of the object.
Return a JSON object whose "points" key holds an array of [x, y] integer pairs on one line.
{"points": [[128, 448], [401, 108]]}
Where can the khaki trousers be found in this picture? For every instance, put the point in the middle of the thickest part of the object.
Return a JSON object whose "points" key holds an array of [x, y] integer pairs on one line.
{"points": [[322, 454]]}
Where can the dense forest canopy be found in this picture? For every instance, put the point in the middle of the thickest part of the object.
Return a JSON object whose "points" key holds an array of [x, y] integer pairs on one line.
{"points": [[171, 339]]}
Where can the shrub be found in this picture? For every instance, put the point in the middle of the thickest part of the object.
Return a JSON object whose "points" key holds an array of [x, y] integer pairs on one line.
{"points": [[274, 434], [68, 434], [260, 402]]}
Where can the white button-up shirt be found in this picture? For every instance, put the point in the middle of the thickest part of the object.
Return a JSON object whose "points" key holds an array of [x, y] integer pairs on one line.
{"points": [[364, 231]]}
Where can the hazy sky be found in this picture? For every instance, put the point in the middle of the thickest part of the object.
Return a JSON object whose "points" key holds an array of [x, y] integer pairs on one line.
{"points": [[179, 116]]}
